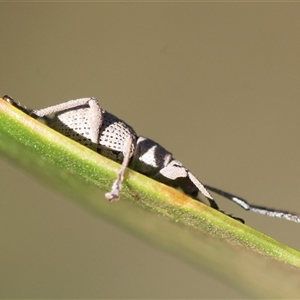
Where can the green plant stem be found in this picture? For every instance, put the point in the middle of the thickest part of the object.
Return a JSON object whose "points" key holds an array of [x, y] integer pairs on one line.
{"points": [[237, 254]]}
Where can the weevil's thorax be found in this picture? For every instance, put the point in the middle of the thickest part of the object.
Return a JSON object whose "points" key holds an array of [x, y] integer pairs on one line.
{"points": [[149, 157], [111, 136]]}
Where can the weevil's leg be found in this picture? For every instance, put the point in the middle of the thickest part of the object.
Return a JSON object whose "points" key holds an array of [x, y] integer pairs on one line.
{"points": [[174, 171], [191, 186], [17, 104], [258, 209], [95, 117], [203, 190], [127, 153]]}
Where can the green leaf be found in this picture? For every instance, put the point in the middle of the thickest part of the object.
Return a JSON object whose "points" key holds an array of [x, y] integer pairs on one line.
{"points": [[235, 253]]}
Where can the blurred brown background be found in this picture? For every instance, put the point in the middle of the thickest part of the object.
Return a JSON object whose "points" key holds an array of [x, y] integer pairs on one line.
{"points": [[215, 83]]}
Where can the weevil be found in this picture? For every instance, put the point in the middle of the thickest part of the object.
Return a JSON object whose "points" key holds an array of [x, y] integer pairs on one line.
{"points": [[86, 122]]}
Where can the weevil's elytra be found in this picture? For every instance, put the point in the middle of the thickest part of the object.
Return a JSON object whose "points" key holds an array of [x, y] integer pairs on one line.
{"points": [[84, 121]]}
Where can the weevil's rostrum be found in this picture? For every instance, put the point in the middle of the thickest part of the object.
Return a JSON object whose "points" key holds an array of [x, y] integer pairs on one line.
{"points": [[86, 122]]}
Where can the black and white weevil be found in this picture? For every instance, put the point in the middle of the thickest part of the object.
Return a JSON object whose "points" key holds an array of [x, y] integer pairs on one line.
{"points": [[86, 122]]}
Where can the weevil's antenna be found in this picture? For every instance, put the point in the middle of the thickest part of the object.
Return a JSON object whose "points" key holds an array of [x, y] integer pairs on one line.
{"points": [[258, 209]]}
